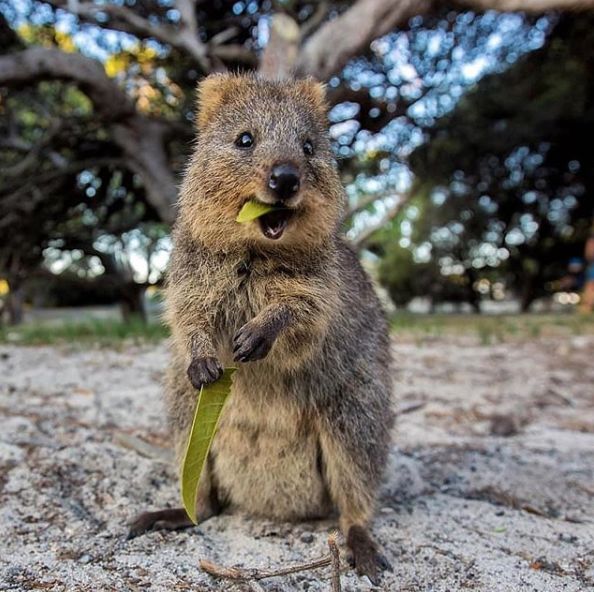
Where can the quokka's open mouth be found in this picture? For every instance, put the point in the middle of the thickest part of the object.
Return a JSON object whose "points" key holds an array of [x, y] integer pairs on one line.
{"points": [[274, 224]]}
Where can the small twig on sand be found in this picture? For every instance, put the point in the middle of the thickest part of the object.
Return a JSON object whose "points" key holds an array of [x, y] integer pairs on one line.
{"points": [[238, 573], [410, 408], [254, 574], [144, 448], [335, 561]]}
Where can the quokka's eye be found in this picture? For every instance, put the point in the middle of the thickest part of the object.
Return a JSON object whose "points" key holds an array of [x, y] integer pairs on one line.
{"points": [[308, 148], [244, 140]]}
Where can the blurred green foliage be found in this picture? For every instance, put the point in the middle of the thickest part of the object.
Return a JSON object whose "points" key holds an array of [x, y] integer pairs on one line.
{"points": [[506, 180]]}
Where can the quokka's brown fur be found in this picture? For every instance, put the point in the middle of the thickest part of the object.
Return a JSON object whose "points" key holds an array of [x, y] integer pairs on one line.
{"points": [[307, 428]]}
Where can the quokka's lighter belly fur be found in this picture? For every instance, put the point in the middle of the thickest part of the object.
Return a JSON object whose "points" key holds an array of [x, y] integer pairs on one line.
{"points": [[265, 457], [266, 463]]}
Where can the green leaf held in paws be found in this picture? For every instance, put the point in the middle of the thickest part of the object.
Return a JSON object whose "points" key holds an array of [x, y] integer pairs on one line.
{"points": [[211, 400], [252, 210]]}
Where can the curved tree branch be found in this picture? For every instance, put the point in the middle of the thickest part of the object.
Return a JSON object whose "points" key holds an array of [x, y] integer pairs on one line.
{"points": [[338, 40], [142, 140], [39, 63], [121, 18], [327, 50], [531, 6], [363, 237], [144, 144]]}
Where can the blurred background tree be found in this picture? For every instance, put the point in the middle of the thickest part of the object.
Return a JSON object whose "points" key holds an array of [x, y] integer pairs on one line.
{"points": [[461, 134], [507, 177]]}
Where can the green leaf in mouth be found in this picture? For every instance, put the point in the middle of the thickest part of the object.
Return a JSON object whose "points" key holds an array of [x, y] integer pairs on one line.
{"points": [[211, 400], [253, 209]]}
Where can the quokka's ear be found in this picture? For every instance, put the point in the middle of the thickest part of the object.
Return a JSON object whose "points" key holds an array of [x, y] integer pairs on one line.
{"points": [[211, 94], [315, 93]]}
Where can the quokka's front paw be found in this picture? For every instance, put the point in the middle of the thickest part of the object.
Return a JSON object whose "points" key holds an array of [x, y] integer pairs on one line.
{"points": [[253, 342], [203, 371]]}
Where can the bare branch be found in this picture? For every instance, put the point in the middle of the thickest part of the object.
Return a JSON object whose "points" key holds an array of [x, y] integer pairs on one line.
{"points": [[335, 562], [15, 143], [316, 19], [362, 204], [142, 140], [532, 6], [33, 152], [223, 36], [337, 41], [188, 15], [143, 143], [121, 18], [189, 36], [251, 576], [235, 53], [361, 239], [70, 168], [39, 63], [239, 573]]}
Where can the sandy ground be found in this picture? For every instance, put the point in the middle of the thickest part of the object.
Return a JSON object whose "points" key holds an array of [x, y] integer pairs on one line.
{"points": [[490, 488]]}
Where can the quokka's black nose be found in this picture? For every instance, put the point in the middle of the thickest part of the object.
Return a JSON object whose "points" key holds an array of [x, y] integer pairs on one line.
{"points": [[284, 181]]}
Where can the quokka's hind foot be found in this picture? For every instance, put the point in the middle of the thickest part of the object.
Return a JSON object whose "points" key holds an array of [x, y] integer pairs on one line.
{"points": [[364, 554], [170, 519]]}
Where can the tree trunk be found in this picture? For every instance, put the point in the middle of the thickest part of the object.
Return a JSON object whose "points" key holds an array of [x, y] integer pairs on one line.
{"points": [[132, 303], [472, 297], [528, 294], [14, 303], [280, 55]]}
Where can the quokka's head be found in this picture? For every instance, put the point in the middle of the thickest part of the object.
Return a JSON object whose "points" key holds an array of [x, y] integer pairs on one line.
{"points": [[266, 141]]}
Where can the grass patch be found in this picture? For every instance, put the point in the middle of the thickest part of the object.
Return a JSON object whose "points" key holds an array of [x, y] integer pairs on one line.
{"points": [[101, 332], [489, 329]]}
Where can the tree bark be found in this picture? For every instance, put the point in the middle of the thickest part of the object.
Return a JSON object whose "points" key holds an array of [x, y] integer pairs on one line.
{"points": [[532, 6], [143, 142], [185, 37], [280, 55]]}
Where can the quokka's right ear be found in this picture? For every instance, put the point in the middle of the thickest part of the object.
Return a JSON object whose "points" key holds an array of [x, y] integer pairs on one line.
{"points": [[315, 93], [211, 94]]}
